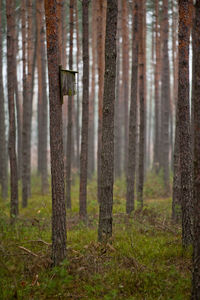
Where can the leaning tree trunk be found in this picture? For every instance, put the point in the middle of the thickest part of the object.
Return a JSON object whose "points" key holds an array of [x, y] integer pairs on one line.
{"points": [[184, 121], [56, 139], [10, 13], [196, 104], [85, 115], [3, 152], [107, 154], [133, 115]]}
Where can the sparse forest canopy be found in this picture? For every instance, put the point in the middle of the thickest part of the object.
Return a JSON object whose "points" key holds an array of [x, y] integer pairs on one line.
{"points": [[100, 171]]}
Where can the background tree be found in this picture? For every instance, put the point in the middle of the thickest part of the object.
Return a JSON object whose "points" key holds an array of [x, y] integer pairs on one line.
{"points": [[133, 114], [107, 153], [3, 150], [56, 141], [85, 114], [10, 13]]}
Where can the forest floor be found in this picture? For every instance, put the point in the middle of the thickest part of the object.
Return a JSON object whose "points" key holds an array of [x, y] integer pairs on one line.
{"points": [[144, 259]]}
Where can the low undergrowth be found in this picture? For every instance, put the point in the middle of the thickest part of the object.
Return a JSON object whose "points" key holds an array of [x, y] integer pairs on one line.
{"points": [[143, 260]]}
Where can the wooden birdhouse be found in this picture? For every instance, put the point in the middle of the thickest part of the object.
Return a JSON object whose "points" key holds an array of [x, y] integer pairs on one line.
{"points": [[67, 82]]}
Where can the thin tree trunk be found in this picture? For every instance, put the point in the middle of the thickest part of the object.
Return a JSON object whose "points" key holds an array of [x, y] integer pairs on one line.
{"points": [[165, 100], [101, 21], [56, 141], [196, 103], [10, 13], [133, 114], [91, 146], [85, 114], [184, 121], [125, 77], [107, 154], [3, 151], [142, 100], [70, 105], [41, 58]]}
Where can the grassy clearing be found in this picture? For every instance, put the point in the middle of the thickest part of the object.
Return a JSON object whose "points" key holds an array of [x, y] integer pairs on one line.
{"points": [[144, 259]]}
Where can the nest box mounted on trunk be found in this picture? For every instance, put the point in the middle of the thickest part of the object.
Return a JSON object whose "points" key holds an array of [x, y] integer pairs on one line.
{"points": [[67, 82]]}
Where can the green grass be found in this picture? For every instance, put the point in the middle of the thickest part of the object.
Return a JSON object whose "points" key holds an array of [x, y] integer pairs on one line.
{"points": [[144, 259]]}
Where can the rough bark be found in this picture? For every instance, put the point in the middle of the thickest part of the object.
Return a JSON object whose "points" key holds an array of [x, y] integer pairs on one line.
{"points": [[41, 59], [3, 150], [196, 106], [69, 125], [101, 21], [107, 154], [56, 142], [10, 13], [85, 114], [142, 101], [133, 115], [184, 121]]}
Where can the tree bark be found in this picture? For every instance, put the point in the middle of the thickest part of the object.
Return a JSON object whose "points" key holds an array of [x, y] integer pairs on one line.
{"points": [[10, 13], [3, 150], [133, 114], [107, 154], [56, 141], [184, 121], [85, 114], [142, 94], [41, 58]]}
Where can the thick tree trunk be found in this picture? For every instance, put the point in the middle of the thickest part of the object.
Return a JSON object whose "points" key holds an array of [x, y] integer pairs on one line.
{"points": [[85, 114], [133, 115], [10, 13], [3, 151], [107, 154], [196, 103], [41, 58], [184, 121], [56, 141], [70, 105]]}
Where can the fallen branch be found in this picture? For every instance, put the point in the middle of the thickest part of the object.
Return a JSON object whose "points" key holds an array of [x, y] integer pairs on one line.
{"points": [[28, 251]]}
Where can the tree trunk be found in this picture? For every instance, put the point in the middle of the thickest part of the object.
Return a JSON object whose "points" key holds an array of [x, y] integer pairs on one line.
{"points": [[196, 103], [125, 77], [91, 141], [85, 114], [69, 125], [3, 151], [101, 21], [56, 141], [142, 80], [184, 121], [10, 13], [41, 58], [107, 154], [133, 115], [27, 109]]}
